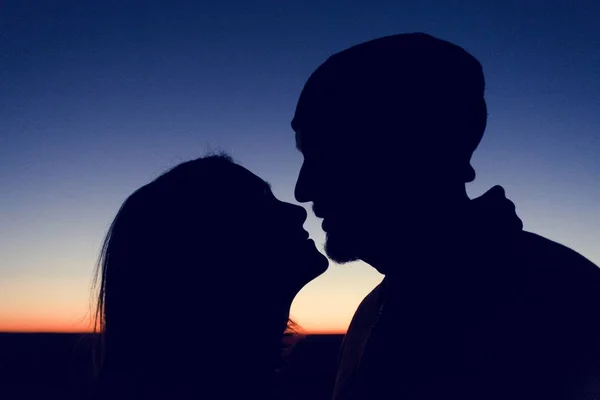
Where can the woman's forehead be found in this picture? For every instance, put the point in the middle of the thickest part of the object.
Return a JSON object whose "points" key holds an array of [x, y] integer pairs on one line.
{"points": [[247, 178]]}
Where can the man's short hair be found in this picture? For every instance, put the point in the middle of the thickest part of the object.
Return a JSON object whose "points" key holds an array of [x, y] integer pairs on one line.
{"points": [[410, 79]]}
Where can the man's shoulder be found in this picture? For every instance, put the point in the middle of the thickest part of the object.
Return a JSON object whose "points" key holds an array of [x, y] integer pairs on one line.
{"points": [[368, 305], [373, 295], [575, 284], [554, 254], [555, 262], [357, 336]]}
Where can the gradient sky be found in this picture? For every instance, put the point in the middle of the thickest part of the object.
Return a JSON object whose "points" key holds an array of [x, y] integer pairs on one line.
{"points": [[97, 100]]}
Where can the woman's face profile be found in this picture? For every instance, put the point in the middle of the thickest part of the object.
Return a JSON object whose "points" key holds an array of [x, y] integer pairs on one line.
{"points": [[275, 241]]}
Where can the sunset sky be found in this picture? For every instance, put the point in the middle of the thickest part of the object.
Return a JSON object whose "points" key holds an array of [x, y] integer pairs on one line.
{"points": [[97, 100]]}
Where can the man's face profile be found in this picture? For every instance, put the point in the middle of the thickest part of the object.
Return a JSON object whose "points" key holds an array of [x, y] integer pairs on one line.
{"points": [[321, 182], [345, 185]]}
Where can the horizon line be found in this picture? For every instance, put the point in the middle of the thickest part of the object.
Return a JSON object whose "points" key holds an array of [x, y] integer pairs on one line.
{"points": [[89, 332]]}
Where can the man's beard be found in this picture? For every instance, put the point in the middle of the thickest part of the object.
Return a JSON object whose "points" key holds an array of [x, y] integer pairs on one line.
{"points": [[341, 248]]}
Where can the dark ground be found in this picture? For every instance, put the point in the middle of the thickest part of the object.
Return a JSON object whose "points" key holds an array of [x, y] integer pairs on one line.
{"points": [[58, 366]]}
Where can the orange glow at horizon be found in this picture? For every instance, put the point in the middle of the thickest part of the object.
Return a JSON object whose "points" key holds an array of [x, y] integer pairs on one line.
{"points": [[44, 324], [60, 324], [63, 305], [53, 323], [57, 327]]}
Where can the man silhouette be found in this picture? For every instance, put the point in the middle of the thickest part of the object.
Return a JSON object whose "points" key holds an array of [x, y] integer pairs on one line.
{"points": [[471, 306]]}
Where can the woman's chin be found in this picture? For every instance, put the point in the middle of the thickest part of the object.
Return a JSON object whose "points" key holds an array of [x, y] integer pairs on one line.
{"points": [[314, 267], [323, 264], [305, 263], [316, 263]]}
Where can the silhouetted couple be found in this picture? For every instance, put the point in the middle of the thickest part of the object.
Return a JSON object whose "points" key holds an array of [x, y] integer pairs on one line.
{"points": [[201, 265]]}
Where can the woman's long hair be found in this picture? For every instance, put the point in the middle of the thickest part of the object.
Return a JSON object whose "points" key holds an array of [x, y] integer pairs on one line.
{"points": [[145, 255]]}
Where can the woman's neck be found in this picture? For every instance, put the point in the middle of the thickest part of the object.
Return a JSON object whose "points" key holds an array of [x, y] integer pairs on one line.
{"points": [[264, 343]]}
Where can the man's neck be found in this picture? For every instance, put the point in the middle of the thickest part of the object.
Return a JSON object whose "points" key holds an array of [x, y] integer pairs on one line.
{"points": [[439, 231]]}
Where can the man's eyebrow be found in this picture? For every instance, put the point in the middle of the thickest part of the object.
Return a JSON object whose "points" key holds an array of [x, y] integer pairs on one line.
{"points": [[269, 185]]}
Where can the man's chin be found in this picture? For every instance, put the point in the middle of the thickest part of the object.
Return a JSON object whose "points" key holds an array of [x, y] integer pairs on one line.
{"points": [[340, 249]]}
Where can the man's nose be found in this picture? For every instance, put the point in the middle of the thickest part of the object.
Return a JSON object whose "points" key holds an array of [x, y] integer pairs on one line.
{"points": [[302, 189]]}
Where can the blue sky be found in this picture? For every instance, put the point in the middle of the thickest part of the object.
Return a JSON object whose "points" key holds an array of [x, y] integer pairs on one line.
{"points": [[97, 100]]}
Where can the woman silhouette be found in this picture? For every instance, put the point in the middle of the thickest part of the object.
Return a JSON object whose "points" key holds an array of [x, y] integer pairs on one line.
{"points": [[196, 278]]}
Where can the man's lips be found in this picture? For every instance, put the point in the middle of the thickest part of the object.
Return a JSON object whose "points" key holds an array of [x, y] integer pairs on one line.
{"points": [[318, 211], [325, 224]]}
